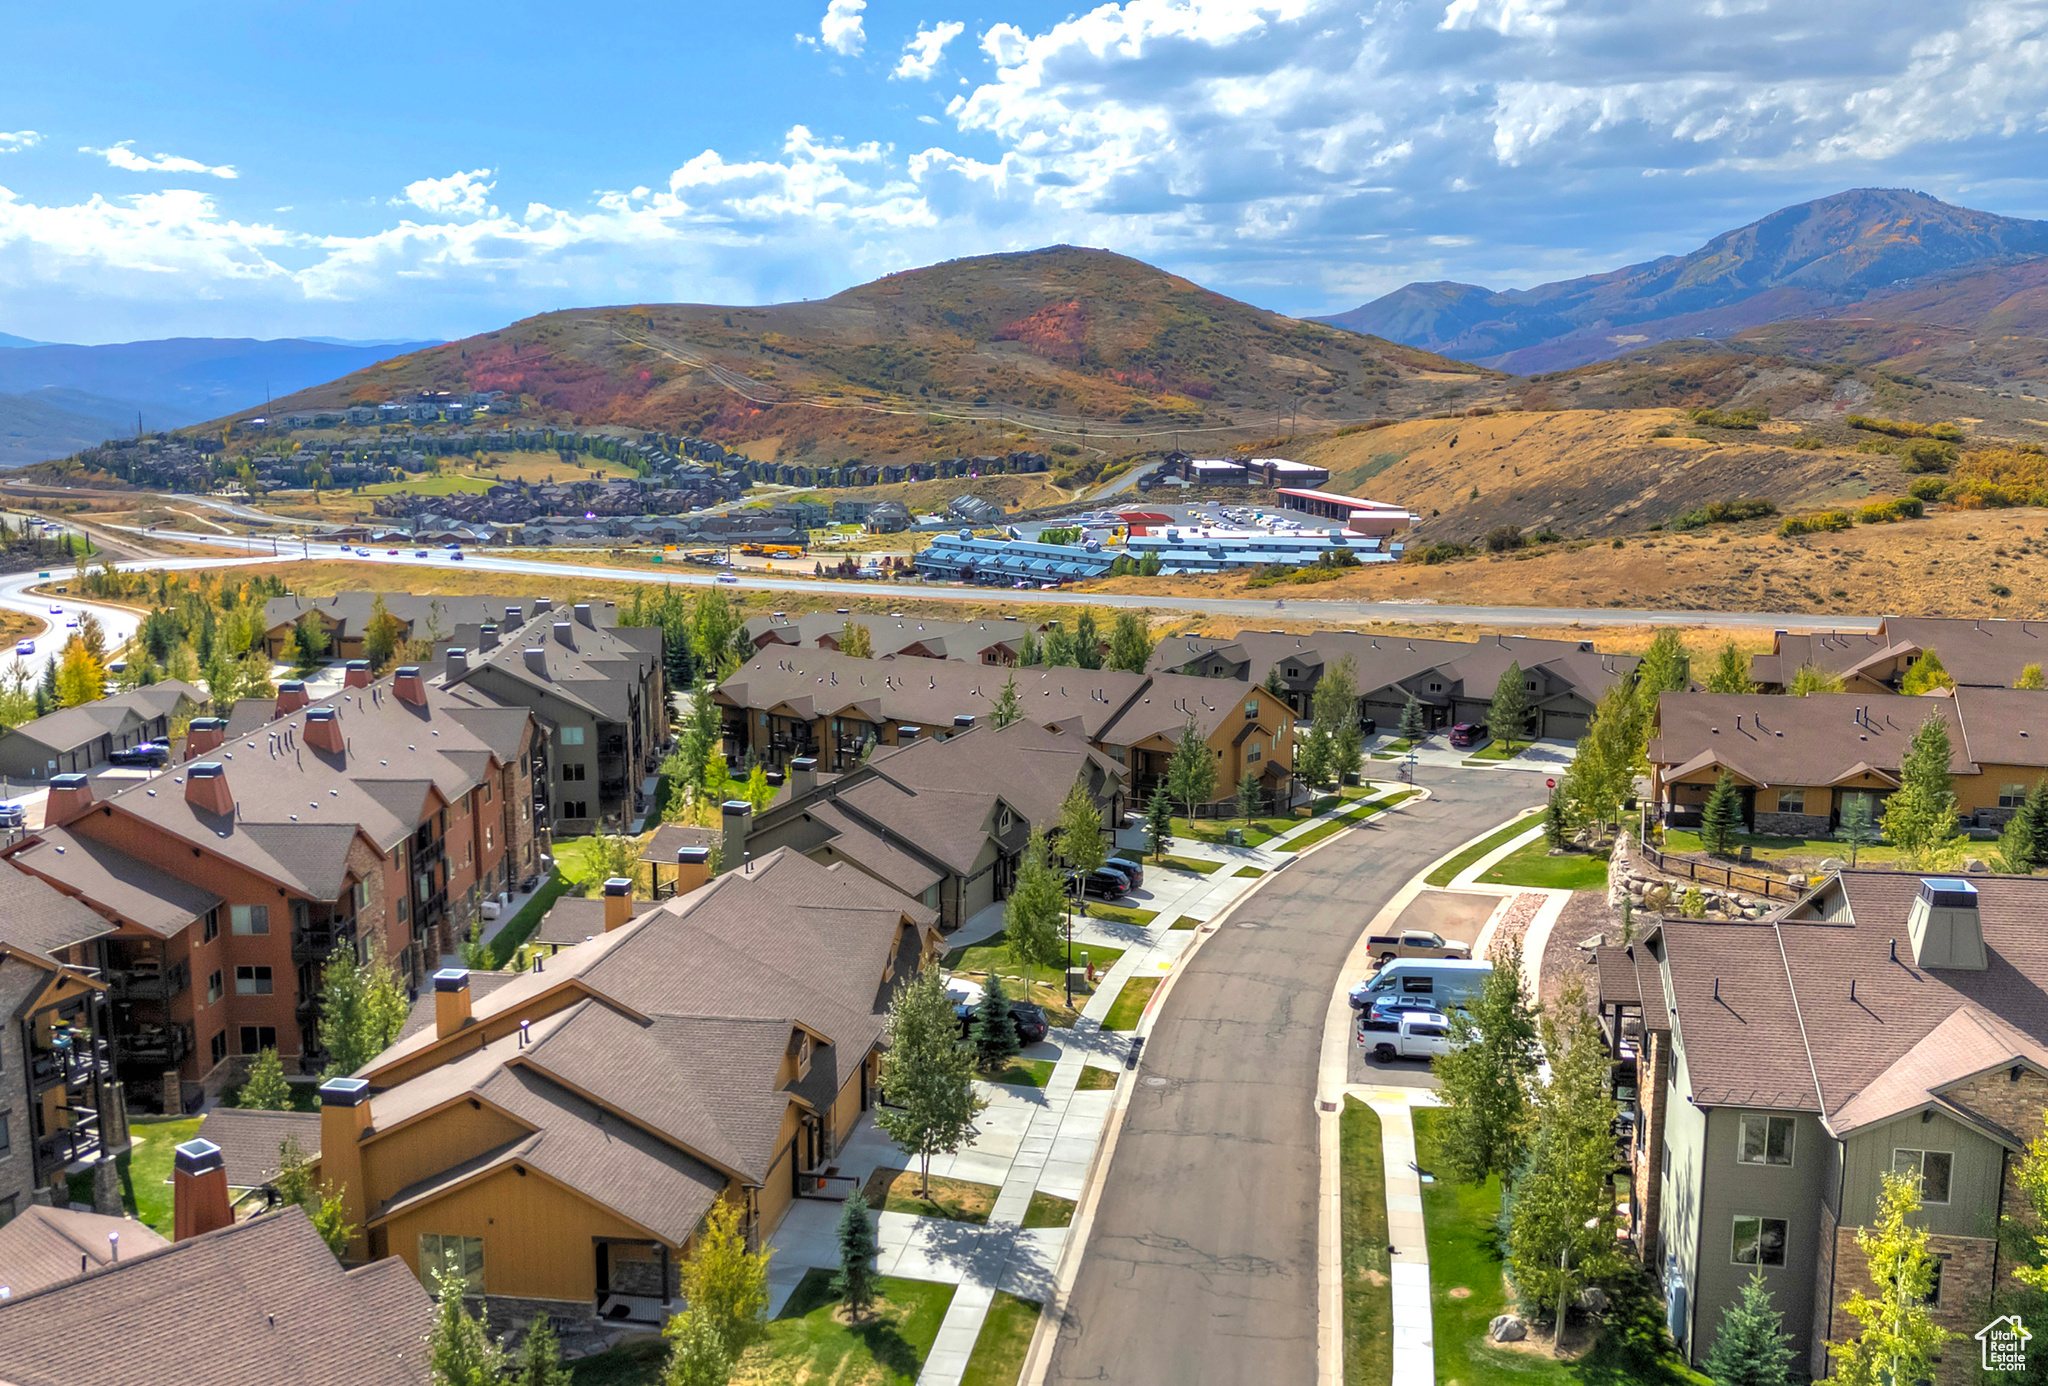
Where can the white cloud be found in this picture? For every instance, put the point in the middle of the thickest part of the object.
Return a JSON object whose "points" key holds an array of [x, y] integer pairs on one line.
{"points": [[922, 51], [14, 140], [459, 194], [126, 159], [841, 30]]}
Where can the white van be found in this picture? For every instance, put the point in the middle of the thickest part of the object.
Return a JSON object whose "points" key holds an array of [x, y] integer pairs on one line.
{"points": [[1404, 982]]}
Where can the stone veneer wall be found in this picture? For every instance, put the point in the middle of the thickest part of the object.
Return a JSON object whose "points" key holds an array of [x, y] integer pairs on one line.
{"points": [[1803, 825], [1965, 1290]]}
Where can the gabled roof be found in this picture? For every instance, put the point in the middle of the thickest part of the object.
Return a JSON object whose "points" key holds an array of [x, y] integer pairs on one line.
{"points": [[251, 1138], [1825, 739], [47, 1246], [85, 868], [38, 918], [72, 727]]}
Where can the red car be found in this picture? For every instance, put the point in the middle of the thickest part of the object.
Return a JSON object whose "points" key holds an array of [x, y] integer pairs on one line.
{"points": [[1467, 734]]}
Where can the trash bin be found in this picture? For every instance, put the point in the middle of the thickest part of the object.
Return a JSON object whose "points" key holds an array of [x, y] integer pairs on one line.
{"points": [[1233, 837]]}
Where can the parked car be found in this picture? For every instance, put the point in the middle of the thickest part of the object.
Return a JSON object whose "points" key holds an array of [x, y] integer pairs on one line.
{"points": [[1386, 1011], [1440, 983], [1131, 870], [1419, 1035], [1101, 882], [1368, 726], [151, 753], [13, 816], [1467, 734], [25, 647], [1416, 943]]}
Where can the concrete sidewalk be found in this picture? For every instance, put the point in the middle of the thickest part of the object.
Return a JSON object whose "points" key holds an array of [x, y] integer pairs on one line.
{"points": [[1414, 1332]]}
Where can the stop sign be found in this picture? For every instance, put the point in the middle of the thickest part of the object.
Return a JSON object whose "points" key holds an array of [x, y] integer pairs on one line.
{"points": [[1550, 784]]}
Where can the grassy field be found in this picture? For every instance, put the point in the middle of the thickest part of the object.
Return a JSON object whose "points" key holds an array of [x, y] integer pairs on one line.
{"points": [[998, 1358], [146, 1169], [446, 484], [954, 1200], [992, 954], [1130, 1003], [508, 940], [1368, 1288], [1532, 865], [1443, 875]]}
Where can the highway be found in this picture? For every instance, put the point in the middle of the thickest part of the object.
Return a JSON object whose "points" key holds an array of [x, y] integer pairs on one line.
{"points": [[505, 561]]}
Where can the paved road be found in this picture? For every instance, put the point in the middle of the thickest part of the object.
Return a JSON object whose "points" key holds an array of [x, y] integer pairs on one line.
{"points": [[506, 561], [1201, 1264]]}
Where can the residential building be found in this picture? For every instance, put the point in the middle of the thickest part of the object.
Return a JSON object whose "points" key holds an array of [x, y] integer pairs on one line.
{"points": [[376, 819], [44, 1246], [74, 740], [1883, 1022], [345, 617], [249, 1304], [1453, 680], [1196, 549], [830, 707], [976, 642], [887, 517], [1004, 562], [722, 1046], [600, 695], [944, 822], [1977, 652], [1798, 762]]}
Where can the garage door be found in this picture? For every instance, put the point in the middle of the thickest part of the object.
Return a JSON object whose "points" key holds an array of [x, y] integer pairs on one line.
{"points": [[1569, 726]]}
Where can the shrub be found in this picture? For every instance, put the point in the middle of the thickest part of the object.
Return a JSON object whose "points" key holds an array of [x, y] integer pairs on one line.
{"points": [[1819, 522], [1884, 512], [1726, 512], [1442, 551], [1504, 537], [1906, 428], [1663, 432], [1808, 442], [1999, 589], [1926, 455], [1927, 488], [1728, 418]]}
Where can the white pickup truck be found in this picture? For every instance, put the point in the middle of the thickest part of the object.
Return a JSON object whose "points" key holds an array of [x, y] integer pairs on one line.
{"points": [[1416, 943], [1422, 1035]]}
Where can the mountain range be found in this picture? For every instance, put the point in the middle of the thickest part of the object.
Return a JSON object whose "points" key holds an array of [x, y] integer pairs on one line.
{"points": [[1868, 253]]}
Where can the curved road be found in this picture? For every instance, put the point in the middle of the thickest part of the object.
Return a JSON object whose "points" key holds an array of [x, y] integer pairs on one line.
{"points": [[1201, 1263], [503, 561]]}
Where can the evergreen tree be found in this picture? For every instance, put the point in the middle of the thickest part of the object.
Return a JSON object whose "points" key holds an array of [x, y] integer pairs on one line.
{"points": [[1900, 1340], [1752, 1348], [1731, 672], [1191, 773], [697, 1356], [1130, 643], [1507, 716], [1159, 822], [1721, 819], [1150, 564], [994, 1029], [1557, 821], [1005, 710], [266, 1088], [1920, 817], [1249, 798], [2019, 845], [856, 641], [725, 1281], [1030, 650], [1037, 907], [1087, 642], [1489, 1074], [1414, 721], [1274, 685], [927, 1077], [1059, 647], [1858, 827], [459, 1352], [1925, 675], [856, 1282]]}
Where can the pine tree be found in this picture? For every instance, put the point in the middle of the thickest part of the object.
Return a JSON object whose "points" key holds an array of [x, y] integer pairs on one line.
{"points": [[1249, 798], [1900, 1339], [266, 1089], [1920, 818], [1274, 685], [1191, 772], [1087, 642], [994, 1029], [1507, 716], [459, 1352], [1731, 672], [1752, 1348], [1489, 1074], [2020, 843], [1557, 821], [1858, 826], [856, 1282], [697, 1356], [1005, 711], [927, 1077], [1030, 650], [1414, 721], [1721, 819], [1159, 823], [1036, 908]]}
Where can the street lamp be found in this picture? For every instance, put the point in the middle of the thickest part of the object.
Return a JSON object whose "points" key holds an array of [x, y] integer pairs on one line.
{"points": [[1070, 942]]}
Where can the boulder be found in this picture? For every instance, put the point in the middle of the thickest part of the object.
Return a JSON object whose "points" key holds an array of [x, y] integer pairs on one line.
{"points": [[1596, 941], [1975, 867], [1507, 1328], [1831, 866], [1796, 882], [1593, 1300]]}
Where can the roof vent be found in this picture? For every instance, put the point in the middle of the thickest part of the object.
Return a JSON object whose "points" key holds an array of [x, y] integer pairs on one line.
{"points": [[487, 636], [1945, 926], [565, 633], [458, 661], [514, 615]]}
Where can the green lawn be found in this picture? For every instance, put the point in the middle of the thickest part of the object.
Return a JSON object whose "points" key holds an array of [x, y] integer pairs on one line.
{"points": [[1095, 1079], [1193, 865], [954, 1200], [447, 484], [1130, 1003], [1244, 871], [1498, 750], [1121, 914], [1773, 848], [998, 1358], [807, 1344], [1349, 819], [1532, 865], [146, 1169], [579, 859], [1048, 1210], [520, 927], [993, 954], [638, 1363], [1443, 874], [1466, 1290], [1187, 921], [1024, 1073], [1255, 830], [1368, 1287]]}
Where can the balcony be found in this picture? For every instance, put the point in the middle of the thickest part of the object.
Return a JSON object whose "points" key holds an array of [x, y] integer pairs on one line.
{"points": [[158, 1046], [317, 942], [146, 980]]}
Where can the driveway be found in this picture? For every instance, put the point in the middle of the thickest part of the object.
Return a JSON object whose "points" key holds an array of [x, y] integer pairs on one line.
{"points": [[1201, 1263]]}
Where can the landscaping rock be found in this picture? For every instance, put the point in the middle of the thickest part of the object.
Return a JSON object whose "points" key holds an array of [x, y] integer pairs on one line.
{"points": [[1507, 1328], [1796, 882], [1596, 941], [1593, 1300], [1975, 867], [1830, 866]]}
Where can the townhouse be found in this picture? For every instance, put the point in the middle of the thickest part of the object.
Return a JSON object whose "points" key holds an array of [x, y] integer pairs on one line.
{"points": [[73, 740], [943, 822], [1979, 653], [377, 819], [1453, 680], [973, 642], [1771, 1071], [557, 1136], [345, 618], [789, 704], [1798, 762]]}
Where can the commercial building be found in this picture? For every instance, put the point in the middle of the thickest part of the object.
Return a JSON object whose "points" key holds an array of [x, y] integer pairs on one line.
{"points": [[1978, 653], [74, 740], [1195, 549], [1009, 562], [1359, 515]]}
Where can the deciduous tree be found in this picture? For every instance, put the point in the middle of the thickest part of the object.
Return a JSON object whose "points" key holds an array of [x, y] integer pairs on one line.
{"points": [[540, 1357], [459, 1351], [1666, 666], [266, 1088], [1081, 830], [1004, 711], [362, 1009], [1926, 674], [1809, 679], [1920, 816], [697, 1356], [2030, 677], [1489, 1074], [81, 679], [1507, 716], [381, 636], [1191, 772], [1130, 643], [1036, 908], [1899, 1339], [1731, 672], [1858, 827], [725, 1281], [927, 1076], [857, 641]]}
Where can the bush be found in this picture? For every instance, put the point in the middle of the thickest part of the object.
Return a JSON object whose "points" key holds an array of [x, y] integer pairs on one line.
{"points": [[1726, 512], [1926, 455], [1661, 432], [1927, 488], [1884, 512], [1442, 551], [1808, 442], [1728, 418], [1819, 522], [1504, 537], [1906, 428]]}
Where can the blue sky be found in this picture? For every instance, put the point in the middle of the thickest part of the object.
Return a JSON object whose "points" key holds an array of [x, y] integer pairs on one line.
{"points": [[373, 169]]}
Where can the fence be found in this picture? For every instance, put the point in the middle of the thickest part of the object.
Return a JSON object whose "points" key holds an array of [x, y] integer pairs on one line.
{"points": [[1726, 877]]}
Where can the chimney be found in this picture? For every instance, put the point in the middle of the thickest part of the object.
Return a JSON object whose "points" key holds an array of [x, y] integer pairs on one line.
{"points": [[344, 1116], [514, 615], [618, 903], [204, 734], [583, 615], [451, 1001], [905, 735], [487, 635], [458, 661], [70, 795], [537, 660], [543, 605], [323, 730], [565, 634], [1944, 925], [199, 1191], [963, 722], [291, 696], [206, 787], [409, 686], [356, 674], [803, 776], [739, 821], [693, 868], [775, 778]]}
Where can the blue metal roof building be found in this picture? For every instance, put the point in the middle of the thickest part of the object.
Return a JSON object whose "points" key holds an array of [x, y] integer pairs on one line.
{"points": [[1183, 550], [961, 558]]}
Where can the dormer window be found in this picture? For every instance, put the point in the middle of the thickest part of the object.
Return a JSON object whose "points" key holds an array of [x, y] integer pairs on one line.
{"points": [[800, 1050]]}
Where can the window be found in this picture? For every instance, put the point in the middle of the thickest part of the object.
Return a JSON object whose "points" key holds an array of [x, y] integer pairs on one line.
{"points": [[252, 981], [1933, 1168], [257, 1038], [6, 1139], [213, 987], [1932, 1299], [212, 930], [6, 1210], [573, 736], [1251, 708], [572, 774], [362, 895], [1764, 1140], [1436, 688], [250, 919], [1251, 752], [218, 1046], [459, 1256], [489, 840], [1758, 1241], [1791, 801], [404, 907], [2011, 795]]}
